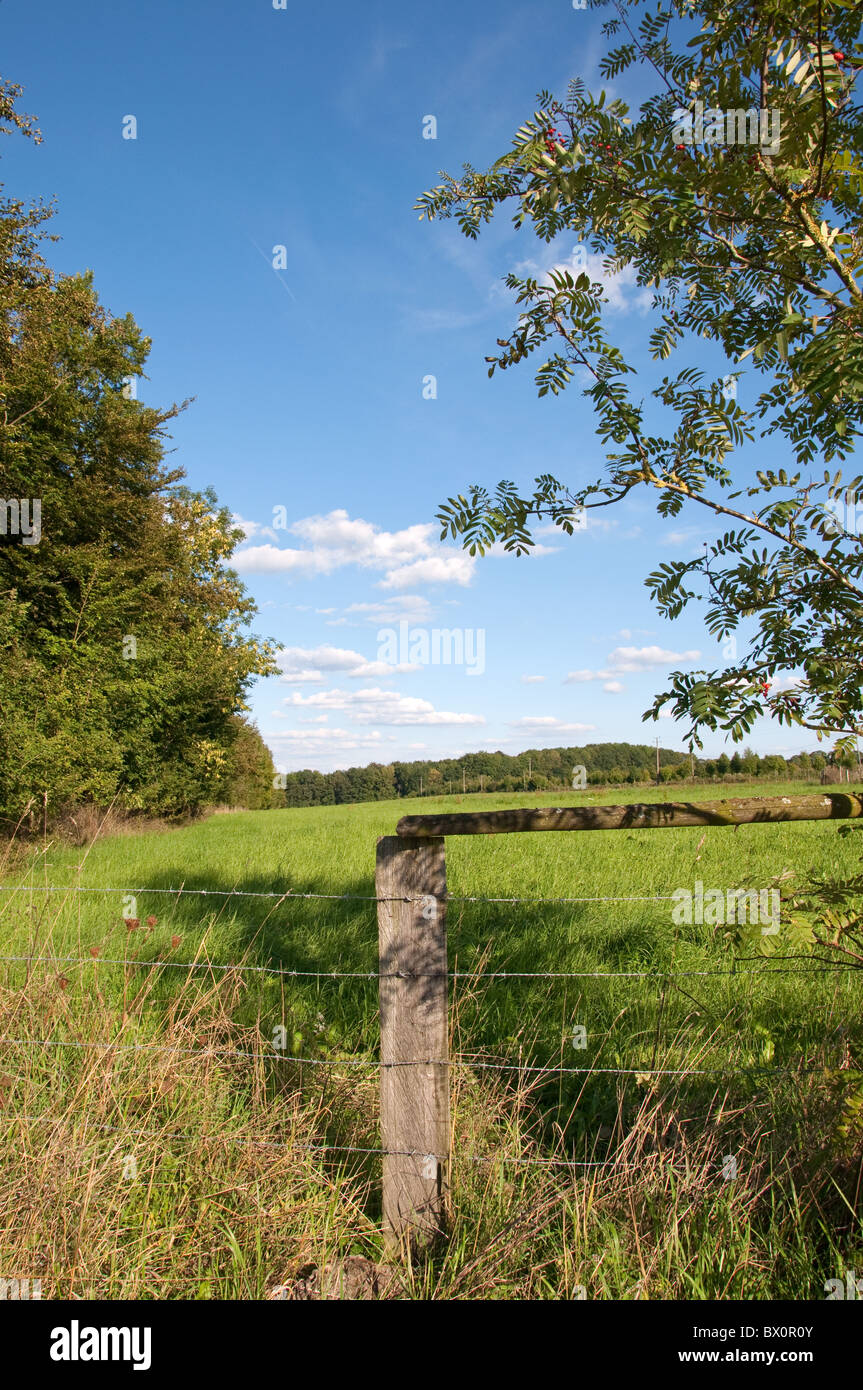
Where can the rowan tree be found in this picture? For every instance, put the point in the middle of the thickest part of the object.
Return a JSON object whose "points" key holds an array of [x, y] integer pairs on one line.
{"points": [[750, 251]]}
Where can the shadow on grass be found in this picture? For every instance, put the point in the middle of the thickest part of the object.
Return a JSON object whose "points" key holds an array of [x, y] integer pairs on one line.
{"points": [[738, 1038]]}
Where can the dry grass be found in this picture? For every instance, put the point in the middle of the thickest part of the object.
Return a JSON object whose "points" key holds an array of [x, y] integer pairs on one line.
{"points": [[145, 1159], [181, 1172]]}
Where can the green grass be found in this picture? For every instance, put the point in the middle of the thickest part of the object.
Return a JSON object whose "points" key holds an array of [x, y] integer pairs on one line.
{"points": [[773, 1039]]}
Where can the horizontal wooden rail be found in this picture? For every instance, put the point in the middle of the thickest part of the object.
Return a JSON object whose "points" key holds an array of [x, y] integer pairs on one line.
{"points": [[638, 816]]}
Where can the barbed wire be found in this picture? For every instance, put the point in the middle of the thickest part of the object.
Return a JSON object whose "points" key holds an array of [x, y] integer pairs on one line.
{"points": [[255, 1142], [463, 1060], [331, 897], [207, 892], [200, 1052], [826, 966], [803, 965]]}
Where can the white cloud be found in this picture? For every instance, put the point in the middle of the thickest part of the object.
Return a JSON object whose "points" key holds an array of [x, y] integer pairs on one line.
{"points": [[581, 677], [456, 567], [376, 706], [645, 658], [621, 291], [532, 680], [323, 742], [629, 659], [274, 559], [251, 529], [613, 687], [306, 665], [336, 541], [783, 683], [301, 677], [415, 608]]}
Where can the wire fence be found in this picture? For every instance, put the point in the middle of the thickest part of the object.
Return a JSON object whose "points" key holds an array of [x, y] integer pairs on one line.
{"points": [[255, 1141], [464, 1060], [803, 964], [329, 897], [654, 973]]}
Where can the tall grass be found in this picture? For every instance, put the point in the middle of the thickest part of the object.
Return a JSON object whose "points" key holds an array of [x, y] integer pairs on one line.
{"points": [[145, 1158]]}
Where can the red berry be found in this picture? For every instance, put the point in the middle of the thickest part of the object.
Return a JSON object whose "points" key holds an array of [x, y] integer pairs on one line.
{"points": [[840, 57]]}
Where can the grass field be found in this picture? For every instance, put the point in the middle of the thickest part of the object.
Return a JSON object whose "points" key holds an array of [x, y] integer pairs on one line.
{"points": [[145, 1168]]}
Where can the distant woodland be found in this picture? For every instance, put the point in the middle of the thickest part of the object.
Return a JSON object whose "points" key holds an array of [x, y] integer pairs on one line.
{"points": [[537, 769]]}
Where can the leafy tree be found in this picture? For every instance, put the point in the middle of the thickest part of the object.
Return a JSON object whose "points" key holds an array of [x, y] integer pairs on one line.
{"points": [[128, 655], [773, 766], [250, 771], [753, 249]]}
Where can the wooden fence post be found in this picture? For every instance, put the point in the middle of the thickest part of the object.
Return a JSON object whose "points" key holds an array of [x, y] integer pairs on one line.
{"points": [[415, 1124]]}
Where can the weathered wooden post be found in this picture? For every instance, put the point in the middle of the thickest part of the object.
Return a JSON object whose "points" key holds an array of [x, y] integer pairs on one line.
{"points": [[410, 883]]}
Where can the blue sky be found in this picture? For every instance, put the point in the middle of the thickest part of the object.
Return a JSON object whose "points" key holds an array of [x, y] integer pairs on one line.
{"points": [[302, 128]]}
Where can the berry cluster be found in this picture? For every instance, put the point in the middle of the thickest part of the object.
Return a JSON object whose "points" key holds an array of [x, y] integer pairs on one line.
{"points": [[604, 151]]}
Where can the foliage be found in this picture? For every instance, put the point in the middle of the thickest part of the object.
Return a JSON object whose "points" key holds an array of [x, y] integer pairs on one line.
{"points": [[536, 769], [752, 252], [251, 774], [126, 651], [753, 1064]]}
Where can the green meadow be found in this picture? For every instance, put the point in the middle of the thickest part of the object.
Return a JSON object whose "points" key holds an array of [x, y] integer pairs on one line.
{"points": [[168, 1146]]}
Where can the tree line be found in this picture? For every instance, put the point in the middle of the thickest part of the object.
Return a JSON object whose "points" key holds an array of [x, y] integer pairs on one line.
{"points": [[537, 769]]}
